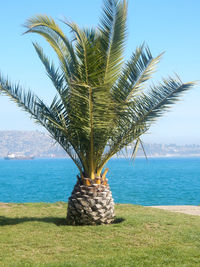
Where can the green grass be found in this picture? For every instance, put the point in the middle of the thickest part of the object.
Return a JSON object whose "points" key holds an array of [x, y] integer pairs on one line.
{"points": [[35, 235]]}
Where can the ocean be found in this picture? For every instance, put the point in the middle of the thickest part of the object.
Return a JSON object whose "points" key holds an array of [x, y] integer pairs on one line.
{"points": [[158, 181]]}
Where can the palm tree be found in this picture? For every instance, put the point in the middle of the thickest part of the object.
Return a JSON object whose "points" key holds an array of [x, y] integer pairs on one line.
{"points": [[102, 104]]}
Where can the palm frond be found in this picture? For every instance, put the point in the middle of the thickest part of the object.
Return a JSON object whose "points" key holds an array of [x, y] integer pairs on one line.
{"points": [[87, 47], [46, 27], [151, 105], [41, 113], [143, 149], [135, 149], [145, 109], [136, 72], [113, 32], [56, 78]]}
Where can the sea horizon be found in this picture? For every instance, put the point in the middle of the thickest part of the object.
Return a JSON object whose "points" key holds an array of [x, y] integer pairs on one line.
{"points": [[121, 157]]}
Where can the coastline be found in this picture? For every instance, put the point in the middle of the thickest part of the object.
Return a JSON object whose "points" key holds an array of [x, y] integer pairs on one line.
{"points": [[185, 209]]}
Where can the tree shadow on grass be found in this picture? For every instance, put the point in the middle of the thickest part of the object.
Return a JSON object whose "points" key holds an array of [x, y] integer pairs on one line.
{"points": [[14, 221], [55, 220], [118, 220]]}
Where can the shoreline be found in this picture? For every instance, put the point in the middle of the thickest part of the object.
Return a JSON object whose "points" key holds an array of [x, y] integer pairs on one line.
{"points": [[185, 209]]}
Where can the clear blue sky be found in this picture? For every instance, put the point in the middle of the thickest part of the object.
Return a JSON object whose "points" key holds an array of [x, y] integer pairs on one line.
{"points": [[172, 26]]}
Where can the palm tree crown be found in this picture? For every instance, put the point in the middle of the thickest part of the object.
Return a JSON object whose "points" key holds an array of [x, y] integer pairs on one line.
{"points": [[102, 103]]}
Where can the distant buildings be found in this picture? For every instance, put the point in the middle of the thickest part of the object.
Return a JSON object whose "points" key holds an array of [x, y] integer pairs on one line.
{"points": [[40, 145], [168, 150], [33, 143]]}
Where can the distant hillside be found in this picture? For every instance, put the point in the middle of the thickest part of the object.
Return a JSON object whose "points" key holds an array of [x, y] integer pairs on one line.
{"points": [[35, 143], [40, 145], [167, 150]]}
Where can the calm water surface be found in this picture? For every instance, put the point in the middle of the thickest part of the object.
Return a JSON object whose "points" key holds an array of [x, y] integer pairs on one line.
{"points": [[171, 181]]}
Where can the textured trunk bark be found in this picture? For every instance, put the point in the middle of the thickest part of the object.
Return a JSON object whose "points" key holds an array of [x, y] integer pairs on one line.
{"points": [[91, 203]]}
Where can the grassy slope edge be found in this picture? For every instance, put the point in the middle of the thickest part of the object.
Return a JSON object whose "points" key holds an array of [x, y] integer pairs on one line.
{"points": [[35, 235]]}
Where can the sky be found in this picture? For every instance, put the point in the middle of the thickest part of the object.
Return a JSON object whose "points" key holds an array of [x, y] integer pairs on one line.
{"points": [[172, 26]]}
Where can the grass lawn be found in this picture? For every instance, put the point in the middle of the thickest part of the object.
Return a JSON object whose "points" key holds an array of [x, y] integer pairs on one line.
{"points": [[35, 235]]}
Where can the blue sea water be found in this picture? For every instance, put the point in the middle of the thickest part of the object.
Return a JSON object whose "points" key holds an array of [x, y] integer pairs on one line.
{"points": [[158, 181]]}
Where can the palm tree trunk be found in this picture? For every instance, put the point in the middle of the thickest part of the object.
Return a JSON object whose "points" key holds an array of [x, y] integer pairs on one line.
{"points": [[91, 203]]}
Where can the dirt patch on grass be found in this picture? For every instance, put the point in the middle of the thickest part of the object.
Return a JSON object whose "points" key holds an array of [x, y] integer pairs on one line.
{"points": [[187, 209], [3, 205]]}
